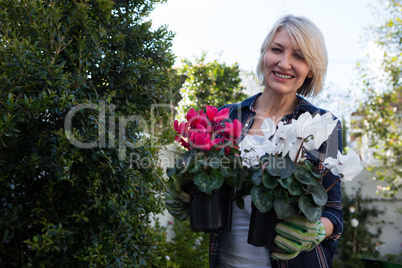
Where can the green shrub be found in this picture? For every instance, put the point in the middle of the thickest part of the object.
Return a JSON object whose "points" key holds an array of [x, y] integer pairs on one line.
{"points": [[62, 205], [187, 249]]}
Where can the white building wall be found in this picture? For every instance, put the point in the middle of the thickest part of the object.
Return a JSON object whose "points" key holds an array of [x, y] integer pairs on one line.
{"points": [[391, 234], [392, 228], [167, 157]]}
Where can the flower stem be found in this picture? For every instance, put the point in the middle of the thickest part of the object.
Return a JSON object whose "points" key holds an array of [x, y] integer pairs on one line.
{"points": [[325, 173], [300, 148], [329, 188]]}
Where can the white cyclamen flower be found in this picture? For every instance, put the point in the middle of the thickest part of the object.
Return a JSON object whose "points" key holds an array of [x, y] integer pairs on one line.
{"points": [[268, 127], [285, 136], [270, 146], [311, 132], [252, 147], [295, 152], [304, 120], [318, 128], [346, 166]]}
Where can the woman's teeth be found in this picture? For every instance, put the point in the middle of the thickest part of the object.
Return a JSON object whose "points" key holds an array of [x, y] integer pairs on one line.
{"points": [[283, 76]]}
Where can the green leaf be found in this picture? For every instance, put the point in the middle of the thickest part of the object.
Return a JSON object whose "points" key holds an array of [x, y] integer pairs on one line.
{"points": [[303, 175], [196, 167], [266, 158], [286, 182], [227, 172], [187, 160], [280, 166], [178, 181], [282, 193], [10, 100], [235, 151], [309, 208], [237, 177], [214, 160], [263, 198], [240, 203], [286, 207], [310, 166], [5, 234], [246, 187], [170, 171], [257, 177], [226, 165], [295, 188], [318, 192], [208, 182], [269, 181], [234, 177], [222, 151]]}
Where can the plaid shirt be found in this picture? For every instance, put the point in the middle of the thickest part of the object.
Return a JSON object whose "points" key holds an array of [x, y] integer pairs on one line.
{"points": [[323, 254]]}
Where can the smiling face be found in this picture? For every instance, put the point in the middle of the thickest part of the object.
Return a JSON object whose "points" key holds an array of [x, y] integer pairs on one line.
{"points": [[284, 66]]}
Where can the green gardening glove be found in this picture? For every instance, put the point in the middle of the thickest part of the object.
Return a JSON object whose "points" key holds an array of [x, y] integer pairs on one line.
{"points": [[177, 203], [295, 235]]}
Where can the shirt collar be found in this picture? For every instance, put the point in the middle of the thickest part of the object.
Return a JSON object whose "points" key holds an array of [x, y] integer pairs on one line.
{"points": [[250, 102], [302, 105]]}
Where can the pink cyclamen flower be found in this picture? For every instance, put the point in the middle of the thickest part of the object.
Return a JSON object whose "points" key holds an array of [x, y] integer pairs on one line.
{"points": [[204, 130], [181, 129], [182, 142], [203, 141], [190, 114], [198, 129], [233, 130], [216, 116], [196, 118]]}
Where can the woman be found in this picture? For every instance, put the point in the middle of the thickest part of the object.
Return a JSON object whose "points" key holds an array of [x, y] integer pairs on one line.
{"points": [[293, 62]]}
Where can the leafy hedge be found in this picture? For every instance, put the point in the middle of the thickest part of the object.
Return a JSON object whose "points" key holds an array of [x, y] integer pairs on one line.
{"points": [[62, 205]]}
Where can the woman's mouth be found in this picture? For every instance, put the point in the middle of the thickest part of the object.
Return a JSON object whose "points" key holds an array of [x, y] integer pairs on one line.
{"points": [[284, 76]]}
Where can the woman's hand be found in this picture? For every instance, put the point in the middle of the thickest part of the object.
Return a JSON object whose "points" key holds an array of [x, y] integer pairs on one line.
{"points": [[177, 203], [295, 235]]}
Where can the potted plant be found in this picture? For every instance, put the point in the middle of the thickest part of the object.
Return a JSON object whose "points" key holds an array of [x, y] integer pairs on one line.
{"points": [[210, 169], [282, 183]]}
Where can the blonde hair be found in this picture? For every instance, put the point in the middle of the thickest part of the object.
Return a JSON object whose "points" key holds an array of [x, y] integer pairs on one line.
{"points": [[308, 37]]}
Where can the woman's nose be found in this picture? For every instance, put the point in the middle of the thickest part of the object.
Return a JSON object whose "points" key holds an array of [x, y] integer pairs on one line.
{"points": [[284, 61]]}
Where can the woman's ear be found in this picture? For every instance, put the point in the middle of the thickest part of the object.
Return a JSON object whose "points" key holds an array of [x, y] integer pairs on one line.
{"points": [[310, 74]]}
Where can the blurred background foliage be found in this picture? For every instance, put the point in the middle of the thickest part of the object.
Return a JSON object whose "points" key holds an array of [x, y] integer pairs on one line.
{"points": [[208, 83], [381, 102]]}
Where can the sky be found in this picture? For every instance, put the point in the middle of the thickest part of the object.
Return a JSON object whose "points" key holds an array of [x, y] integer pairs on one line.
{"points": [[233, 31]]}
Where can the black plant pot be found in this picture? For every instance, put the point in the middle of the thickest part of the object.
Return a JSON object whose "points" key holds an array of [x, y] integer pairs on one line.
{"points": [[210, 213], [261, 231]]}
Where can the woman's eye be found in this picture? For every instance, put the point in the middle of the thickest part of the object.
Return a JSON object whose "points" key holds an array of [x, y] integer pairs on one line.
{"points": [[299, 56], [276, 50]]}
